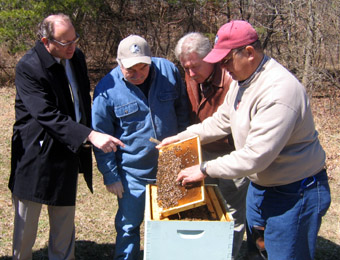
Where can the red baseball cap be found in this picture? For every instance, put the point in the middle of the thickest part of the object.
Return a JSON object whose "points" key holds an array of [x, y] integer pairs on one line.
{"points": [[231, 35]]}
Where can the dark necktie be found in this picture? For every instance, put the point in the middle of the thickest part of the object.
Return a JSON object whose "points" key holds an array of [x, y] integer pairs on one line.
{"points": [[75, 96]]}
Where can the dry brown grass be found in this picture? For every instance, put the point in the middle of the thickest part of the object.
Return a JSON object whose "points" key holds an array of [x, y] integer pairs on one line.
{"points": [[95, 231], [327, 119]]}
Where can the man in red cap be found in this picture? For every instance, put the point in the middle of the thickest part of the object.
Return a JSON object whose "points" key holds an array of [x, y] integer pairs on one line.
{"points": [[207, 85], [277, 147]]}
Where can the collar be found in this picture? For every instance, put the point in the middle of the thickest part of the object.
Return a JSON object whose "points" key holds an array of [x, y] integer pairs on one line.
{"points": [[57, 59], [258, 69], [215, 79], [218, 76], [210, 78], [45, 57]]}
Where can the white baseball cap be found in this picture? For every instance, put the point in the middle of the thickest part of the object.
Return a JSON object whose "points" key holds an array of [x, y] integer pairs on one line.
{"points": [[133, 50]]}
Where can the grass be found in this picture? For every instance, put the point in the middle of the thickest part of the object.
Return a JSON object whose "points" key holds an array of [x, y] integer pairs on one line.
{"points": [[95, 233]]}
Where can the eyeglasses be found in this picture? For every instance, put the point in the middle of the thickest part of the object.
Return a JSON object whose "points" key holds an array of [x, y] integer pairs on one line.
{"points": [[232, 54], [226, 60], [66, 44]]}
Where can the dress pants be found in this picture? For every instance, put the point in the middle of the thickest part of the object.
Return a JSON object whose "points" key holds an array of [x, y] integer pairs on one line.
{"points": [[62, 230]]}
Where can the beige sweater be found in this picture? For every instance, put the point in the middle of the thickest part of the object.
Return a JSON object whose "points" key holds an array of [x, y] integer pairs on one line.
{"points": [[273, 129]]}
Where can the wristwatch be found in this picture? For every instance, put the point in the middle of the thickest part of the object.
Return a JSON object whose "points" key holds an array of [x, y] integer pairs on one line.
{"points": [[203, 168]]}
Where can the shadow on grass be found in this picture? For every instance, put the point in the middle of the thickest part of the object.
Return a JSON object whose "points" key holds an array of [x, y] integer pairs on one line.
{"points": [[88, 250], [85, 250], [325, 250]]}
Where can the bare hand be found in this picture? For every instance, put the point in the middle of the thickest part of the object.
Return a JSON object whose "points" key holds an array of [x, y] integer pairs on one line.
{"points": [[116, 188], [190, 174], [168, 140], [104, 142]]}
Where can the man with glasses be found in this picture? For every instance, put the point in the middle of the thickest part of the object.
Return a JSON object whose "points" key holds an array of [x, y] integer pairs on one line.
{"points": [[51, 135], [67, 44], [207, 85], [267, 111]]}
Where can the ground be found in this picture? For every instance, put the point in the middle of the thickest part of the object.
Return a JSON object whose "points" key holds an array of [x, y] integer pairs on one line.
{"points": [[95, 233]]}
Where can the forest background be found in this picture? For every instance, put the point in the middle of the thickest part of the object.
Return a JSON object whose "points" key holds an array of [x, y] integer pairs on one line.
{"points": [[303, 35]]}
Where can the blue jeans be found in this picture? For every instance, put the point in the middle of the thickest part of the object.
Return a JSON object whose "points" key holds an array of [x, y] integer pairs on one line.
{"points": [[129, 217], [291, 215]]}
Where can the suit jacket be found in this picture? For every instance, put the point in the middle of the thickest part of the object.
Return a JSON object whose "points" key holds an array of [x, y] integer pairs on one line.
{"points": [[213, 97], [47, 142]]}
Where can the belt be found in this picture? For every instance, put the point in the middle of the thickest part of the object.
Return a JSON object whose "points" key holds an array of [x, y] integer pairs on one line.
{"points": [[309, 181], [304, 183]]}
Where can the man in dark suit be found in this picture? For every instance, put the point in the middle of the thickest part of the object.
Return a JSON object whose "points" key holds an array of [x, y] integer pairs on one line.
{"points": [[51, 137]]}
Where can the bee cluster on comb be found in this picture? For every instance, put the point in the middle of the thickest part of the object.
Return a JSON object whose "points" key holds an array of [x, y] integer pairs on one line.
{"points": [[170, 163], [168, 190]]}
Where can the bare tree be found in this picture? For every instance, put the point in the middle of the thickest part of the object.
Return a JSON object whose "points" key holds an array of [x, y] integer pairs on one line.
{"points": [[301, 34]]}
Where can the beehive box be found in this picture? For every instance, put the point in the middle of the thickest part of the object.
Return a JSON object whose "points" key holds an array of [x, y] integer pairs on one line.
{"points": [[166, 239], [189, 151]]}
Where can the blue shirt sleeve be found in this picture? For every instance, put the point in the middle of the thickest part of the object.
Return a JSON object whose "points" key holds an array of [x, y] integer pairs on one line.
{"points": [[103, 121]]}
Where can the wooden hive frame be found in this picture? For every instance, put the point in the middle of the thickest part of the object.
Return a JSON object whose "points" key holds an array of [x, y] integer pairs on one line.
{"points": [[213, 200], [195, 196]]}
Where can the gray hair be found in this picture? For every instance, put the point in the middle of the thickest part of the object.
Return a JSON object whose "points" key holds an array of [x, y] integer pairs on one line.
{"points": [[46, 27], [193, 42]]}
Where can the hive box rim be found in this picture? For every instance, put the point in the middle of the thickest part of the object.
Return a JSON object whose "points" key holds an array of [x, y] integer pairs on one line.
{"points": [[163, 238]]}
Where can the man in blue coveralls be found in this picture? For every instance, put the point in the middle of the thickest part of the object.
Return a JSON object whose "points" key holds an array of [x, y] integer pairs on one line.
{"points": [[143, 97]]}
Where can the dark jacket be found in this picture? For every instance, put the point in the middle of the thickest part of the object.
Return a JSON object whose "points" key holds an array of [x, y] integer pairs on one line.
{"points": [[213, 97], [47, 142]]}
